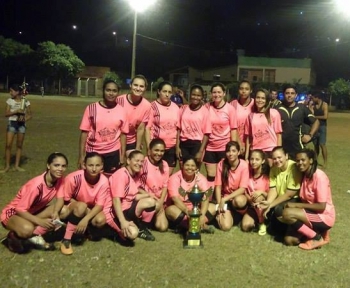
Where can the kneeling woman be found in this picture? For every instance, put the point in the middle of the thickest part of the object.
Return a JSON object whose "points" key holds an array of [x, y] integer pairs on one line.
{"points": [[153, 181], [28, 216], [180, 206], [128, 203], [315, 215], [85, 193], [231, 182]]}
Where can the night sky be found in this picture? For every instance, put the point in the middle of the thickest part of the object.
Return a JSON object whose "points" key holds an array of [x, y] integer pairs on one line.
{"points": [[175, 33]]}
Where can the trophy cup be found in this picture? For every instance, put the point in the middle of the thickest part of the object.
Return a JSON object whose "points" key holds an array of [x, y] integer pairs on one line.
{"points": [[193, 236]]}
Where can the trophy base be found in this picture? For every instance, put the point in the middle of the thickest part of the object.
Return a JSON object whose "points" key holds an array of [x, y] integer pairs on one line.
{"points": [[193, 242]]}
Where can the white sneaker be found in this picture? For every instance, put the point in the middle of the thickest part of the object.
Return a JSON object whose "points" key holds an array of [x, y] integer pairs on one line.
{"points": [[37, 240]]}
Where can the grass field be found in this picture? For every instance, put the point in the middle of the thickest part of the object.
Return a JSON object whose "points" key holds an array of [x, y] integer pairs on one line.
{"points": [[229, 259]]}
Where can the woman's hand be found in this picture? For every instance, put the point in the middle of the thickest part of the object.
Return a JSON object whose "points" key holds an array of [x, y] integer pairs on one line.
{"points": [[221, 208], [46, 223], [178, 153], [81, 227]]}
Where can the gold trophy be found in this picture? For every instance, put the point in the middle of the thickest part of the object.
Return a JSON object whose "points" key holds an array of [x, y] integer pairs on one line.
{"points": [[193, 236]]}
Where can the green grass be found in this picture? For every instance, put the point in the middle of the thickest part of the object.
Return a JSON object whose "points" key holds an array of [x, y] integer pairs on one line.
{"points": [[231, 259]]}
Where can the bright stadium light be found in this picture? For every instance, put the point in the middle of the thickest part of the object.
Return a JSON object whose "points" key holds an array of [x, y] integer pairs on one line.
{"points": [[343, 7]]}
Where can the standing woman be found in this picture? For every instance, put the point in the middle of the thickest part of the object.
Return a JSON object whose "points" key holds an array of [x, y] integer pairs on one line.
{"points": [[263, 126], [29, 216], [103, 129], [224, 129], [137, 109], [194, 126], [153, 180], [85, 193], [315, 215], [128, 203], [163, 123], [258, 187], [243, 106], [231, 183], [179, 205], [18, 116]]}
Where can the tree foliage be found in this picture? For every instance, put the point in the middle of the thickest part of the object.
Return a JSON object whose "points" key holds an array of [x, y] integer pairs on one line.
{"points": [[111, 75], [340, 91], [58, 61]]}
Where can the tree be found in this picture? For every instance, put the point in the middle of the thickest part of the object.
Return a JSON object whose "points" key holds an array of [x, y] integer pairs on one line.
{"points": [[15, 58], [111, 75], [58, 61], [340, 93]]}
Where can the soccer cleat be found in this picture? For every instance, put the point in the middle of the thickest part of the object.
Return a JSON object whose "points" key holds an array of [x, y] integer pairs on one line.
{"points": [[39, 243], [326, 236], [312, 244], [146, 235], [262, 229], [66, 247], [14, 243]]}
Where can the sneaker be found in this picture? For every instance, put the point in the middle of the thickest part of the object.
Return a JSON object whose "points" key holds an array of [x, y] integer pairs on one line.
{"points": [[262, 229], [39, 243], [66, 247], [14, 243], [326, 236], [312, 244], [146, 235]]}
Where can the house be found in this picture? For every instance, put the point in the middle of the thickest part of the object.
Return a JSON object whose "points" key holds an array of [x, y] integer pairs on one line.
{"points": [[89, 82], [253, 69]]}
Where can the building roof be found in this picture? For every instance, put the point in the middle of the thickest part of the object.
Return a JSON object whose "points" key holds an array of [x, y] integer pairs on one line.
{"points": [[274, 62]]}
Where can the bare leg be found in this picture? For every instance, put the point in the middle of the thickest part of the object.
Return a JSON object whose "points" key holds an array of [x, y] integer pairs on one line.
{"points": [[9, 140], [19, 143]]}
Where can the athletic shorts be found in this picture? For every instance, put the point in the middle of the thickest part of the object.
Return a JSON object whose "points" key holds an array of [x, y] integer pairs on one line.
{"points": [[189, 148], [213, 157], [315, 221], [16, 127], [170, 157], [111, 161], [322, 131], [131, 146]]}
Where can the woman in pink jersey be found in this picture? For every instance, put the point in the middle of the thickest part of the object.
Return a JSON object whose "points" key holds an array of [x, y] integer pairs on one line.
{"points": [[224, 129], [163, 122], [194, 126], [231, 182], [315, 215], [263, 126], [85, 194], [179, 205], [128, 203], [153, 181], [243, 106], [137, 109], [29, 216], [258, 187], [103, 130]]}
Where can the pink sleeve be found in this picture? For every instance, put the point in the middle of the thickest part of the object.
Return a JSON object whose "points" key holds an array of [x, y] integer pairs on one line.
{"points": [[117, 183], [61, 188], [218, 180], [233, 118], [243, 183], [151, 118], [124, 128], [174, 185], [181, 111], [206, 125], [85, 124], [166, 174], [103, 194], [69, 187], [322, 188], [277, 123], [247, 126], [146, 115], [28, 195], [203, 183]]}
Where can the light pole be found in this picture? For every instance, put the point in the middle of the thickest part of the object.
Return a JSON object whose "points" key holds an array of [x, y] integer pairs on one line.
{"points": [[138, 6]]}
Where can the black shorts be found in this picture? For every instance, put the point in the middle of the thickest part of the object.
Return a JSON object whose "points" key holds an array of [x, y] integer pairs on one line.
{"points": [[213, 157], [170, 157], [111, 161], [189, 148], [131, 146]]}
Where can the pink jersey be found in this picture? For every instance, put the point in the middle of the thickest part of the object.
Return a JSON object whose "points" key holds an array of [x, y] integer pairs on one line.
{"points": [[318, 190], [237, 178], [163, 122], [262, 183], [263, 135], [194, 124], [124, 187], [176, 181], [104, 126], [32, 197], [76, 187], [223, 120], [136, 114], [152, 180], [242, 115]]}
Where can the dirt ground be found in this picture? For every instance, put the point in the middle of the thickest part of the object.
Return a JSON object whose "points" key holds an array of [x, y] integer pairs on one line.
{"points": [[228, 259]]}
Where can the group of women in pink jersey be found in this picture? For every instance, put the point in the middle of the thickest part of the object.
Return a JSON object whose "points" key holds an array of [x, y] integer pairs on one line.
{"points": [[118, 185]]}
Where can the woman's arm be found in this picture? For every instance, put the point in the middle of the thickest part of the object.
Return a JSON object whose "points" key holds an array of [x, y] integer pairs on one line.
{"points": [[247, 147], [46, 223], [199, 155], [279, 139], [82, 225], [122, 148], [179, 204], [317, 207], [147, 137], [28, 114], [234, 194], [177, 147], [139, 135], [82, 144]]}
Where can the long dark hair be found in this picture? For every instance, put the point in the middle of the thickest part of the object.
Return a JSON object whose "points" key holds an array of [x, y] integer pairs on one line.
{"points": [[266, 106], [265, 168], [311, 154], [225, 164]]}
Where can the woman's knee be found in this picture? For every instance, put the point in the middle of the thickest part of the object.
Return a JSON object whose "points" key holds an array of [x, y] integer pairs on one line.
{"points": [[239, 201], [79, 209], [99, 220]]}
